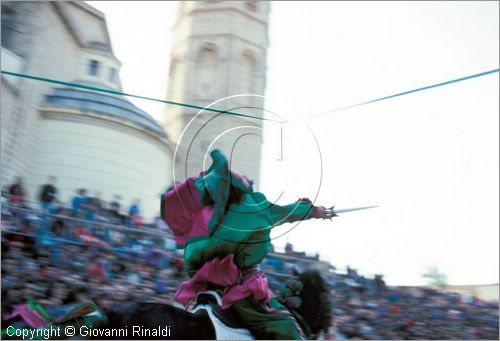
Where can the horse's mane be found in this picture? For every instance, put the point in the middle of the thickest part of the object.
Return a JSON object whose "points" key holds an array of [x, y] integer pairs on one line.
{"points": [[315, 309]]}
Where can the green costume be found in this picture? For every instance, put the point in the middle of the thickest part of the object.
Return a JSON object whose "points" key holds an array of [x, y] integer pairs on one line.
{"points": [[226, 217], [244, 231]]}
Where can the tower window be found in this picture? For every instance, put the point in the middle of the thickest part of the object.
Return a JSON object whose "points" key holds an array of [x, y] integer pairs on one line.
{"points": [[93, 68], [112, 75], [207, 72]]}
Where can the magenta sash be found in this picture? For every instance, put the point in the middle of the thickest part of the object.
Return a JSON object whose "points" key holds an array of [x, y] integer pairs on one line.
{"points": [[224, 273]]}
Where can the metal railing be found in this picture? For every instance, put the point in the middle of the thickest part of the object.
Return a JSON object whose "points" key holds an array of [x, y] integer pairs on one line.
{"points": [[47, 227]]}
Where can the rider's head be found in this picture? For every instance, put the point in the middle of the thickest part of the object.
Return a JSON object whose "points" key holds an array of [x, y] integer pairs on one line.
{"points": [[243, 179]]}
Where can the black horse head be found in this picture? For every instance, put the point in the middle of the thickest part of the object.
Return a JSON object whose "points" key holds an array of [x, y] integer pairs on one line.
{"points": [[314, 312]]}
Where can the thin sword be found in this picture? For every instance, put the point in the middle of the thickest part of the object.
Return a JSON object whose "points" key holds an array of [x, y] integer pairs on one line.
{"points": [[351, 209], [331, 212]]}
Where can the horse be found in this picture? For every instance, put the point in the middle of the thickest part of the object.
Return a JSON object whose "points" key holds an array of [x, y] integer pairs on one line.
{"points": [[164, 322]]}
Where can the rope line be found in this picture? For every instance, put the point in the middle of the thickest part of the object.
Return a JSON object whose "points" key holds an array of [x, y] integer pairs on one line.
{"points": [[244, 115], [404, 93], [114, 92]]}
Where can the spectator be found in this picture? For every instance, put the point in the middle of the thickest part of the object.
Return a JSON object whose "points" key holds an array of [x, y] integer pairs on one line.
{"points": [[115, 204], [134, 208], [116, 216], [78, 200], [17, 193], [135, 218], [159, 224], [89, 207], [48, 194]]}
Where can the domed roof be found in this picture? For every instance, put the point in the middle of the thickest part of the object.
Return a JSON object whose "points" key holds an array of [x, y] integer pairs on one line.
{"points": [[114, 106]]}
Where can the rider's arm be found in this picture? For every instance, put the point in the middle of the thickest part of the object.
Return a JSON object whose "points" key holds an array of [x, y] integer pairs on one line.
{"points": [[302, 209]]}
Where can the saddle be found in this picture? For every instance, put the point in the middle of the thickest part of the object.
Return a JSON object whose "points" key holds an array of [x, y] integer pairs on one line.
{"points": [[226, 323]]}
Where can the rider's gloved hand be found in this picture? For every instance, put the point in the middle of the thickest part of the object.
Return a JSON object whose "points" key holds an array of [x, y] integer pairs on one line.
{"points": [[319, 212]]}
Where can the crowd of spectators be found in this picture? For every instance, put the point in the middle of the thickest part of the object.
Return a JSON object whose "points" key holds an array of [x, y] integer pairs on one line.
{"points": [[71, 273], [365, 308], [368, 309], [93, 251], [88, 250]]}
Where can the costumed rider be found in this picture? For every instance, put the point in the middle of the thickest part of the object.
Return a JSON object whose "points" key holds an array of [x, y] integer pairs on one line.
{"points": [[224, 227]]}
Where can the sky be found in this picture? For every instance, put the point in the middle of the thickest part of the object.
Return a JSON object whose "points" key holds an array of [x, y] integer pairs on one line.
{"points": [[429, 160]]}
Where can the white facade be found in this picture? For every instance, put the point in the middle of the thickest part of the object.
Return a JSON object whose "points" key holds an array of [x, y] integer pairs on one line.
{"points": [[219, 50], [85, 139], [105, 156], [37, 33]]}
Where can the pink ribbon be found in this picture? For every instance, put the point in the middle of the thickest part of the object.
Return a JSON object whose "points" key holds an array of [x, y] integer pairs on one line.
{"points": [[31, 317], [224, 273]]}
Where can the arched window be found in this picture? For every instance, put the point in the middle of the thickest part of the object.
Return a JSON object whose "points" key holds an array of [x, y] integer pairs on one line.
{"points": [[247, 75], [93, 68], [207, 72], [112, 75]]}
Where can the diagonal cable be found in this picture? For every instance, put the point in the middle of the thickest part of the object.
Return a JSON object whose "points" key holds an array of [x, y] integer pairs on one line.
{"points": [[114, 92], [403, 93]]}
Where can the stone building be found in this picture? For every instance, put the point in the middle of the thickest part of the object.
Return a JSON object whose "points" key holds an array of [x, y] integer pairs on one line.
{"points": [[486, 292], [219, 50], [86, 139]]}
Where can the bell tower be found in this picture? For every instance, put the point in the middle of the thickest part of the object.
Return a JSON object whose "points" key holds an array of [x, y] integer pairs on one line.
{"points": [[218, 54]]}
